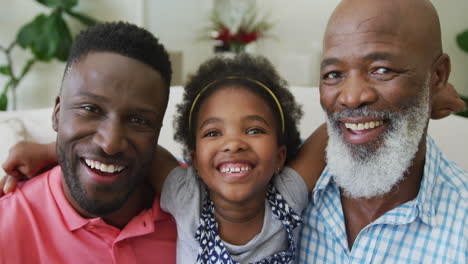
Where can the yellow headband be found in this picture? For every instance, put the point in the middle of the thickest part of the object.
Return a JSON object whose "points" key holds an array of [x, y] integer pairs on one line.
{"points": [[280, 109]]}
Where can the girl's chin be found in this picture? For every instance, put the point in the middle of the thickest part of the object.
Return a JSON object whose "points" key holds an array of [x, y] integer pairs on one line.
{"points": [[242, 195]]}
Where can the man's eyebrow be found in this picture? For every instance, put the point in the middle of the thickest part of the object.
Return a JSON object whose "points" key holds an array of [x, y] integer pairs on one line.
{"points": [[376, 56], [211, 120], [256, 118], [328, 61], [104, 99], [91, 95]]}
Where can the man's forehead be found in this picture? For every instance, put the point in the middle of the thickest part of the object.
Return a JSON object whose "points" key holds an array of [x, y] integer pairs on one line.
{"points": [[115, 76], [378, 19], [356, 17], [413, 24]]}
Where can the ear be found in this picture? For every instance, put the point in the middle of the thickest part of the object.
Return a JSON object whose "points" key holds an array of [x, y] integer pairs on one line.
{"points": [[55, 117], [440, 72], [282, 152], [444, 99]]}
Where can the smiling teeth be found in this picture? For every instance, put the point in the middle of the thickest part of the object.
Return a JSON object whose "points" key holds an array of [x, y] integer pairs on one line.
{"points": [[103, 167], [234, 169], [363, 126]]}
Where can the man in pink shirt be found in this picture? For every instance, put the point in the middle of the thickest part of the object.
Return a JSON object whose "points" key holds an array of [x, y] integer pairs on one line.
{"points": [[97, 206]]}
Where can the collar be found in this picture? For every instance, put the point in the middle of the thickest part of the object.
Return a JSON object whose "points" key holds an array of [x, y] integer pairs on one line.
{"points": [[141, 224], [423, 206]]}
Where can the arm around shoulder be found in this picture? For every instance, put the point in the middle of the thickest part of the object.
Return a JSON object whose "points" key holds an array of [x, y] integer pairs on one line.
{"points": [[310, 160]]}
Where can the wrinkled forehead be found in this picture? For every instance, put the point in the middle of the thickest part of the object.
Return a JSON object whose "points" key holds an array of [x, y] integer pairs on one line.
{"points": [[352, 21]]}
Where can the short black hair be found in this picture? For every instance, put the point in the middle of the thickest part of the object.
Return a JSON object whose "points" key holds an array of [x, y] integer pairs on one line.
{"points": [[247, 67], [125, 39]]}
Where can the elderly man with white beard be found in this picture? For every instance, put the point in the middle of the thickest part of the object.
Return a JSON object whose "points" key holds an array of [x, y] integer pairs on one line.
{"points": [[387, 195]]}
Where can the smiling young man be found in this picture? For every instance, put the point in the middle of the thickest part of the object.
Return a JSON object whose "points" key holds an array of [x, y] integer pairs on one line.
{"points": [[388, 195], [97, 207]]}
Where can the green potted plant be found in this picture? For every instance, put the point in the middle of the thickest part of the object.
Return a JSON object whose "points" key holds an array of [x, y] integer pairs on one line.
{"points": [[462, 41], [47, 37]]}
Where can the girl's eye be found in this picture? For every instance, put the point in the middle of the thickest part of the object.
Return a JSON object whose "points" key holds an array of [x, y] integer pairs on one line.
{"points": [[212, 134], [255, 131]]}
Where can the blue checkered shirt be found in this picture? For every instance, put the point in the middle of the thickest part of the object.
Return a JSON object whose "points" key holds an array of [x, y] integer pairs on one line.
{"points": [[432, 228]]}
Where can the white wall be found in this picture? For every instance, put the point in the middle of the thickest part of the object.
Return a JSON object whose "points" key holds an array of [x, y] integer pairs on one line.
{"points": [[179, 25], [298, 31], [295, 50]]}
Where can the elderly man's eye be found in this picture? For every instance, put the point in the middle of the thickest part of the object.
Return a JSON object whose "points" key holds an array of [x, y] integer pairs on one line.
{"points": [[383, 74], [332, 75], [91, 108], [332, 78], [382, 70]]}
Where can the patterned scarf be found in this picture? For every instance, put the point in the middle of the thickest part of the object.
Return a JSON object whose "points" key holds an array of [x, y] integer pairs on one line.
{"points": [[211, 249]]}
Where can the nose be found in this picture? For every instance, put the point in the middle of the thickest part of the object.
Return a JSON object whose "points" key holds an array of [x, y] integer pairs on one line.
{"points": [[234, 144], [356, 92], [111, 137]]}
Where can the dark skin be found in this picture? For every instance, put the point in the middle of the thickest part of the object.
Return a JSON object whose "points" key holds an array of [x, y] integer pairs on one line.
{"points": [[94, 121], [380, 54], [236, 126]]}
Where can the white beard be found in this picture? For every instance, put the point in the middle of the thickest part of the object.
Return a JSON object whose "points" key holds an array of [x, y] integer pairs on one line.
{"points": [[363, 171]]}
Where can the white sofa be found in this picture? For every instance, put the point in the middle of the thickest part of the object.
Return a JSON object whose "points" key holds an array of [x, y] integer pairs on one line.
{"points": [[450, 133]]}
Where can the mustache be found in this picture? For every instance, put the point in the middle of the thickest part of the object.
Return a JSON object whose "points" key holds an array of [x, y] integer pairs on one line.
{"points": [[363, 112]]}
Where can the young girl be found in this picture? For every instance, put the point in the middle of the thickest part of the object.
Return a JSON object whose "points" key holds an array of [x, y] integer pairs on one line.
{"points": [[238, 126], [237, 203]]}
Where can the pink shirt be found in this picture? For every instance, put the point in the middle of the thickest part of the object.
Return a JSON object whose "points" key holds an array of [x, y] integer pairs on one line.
{"points": [[38, 225]]}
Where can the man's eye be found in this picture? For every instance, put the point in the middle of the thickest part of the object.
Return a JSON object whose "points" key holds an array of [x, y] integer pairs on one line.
{"points": [[91, 108], [384, 74], [332, 78], [382, 70], [139, 121], [255, 131], [211, 134], [331, 75]]}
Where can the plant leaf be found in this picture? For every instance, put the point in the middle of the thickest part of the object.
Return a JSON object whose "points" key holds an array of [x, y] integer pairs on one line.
{"points": [[462, 40], [4, 99], [47, 36], [84, 19], [31, 31], [5, 70], [66, 4], [58, 36]]}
